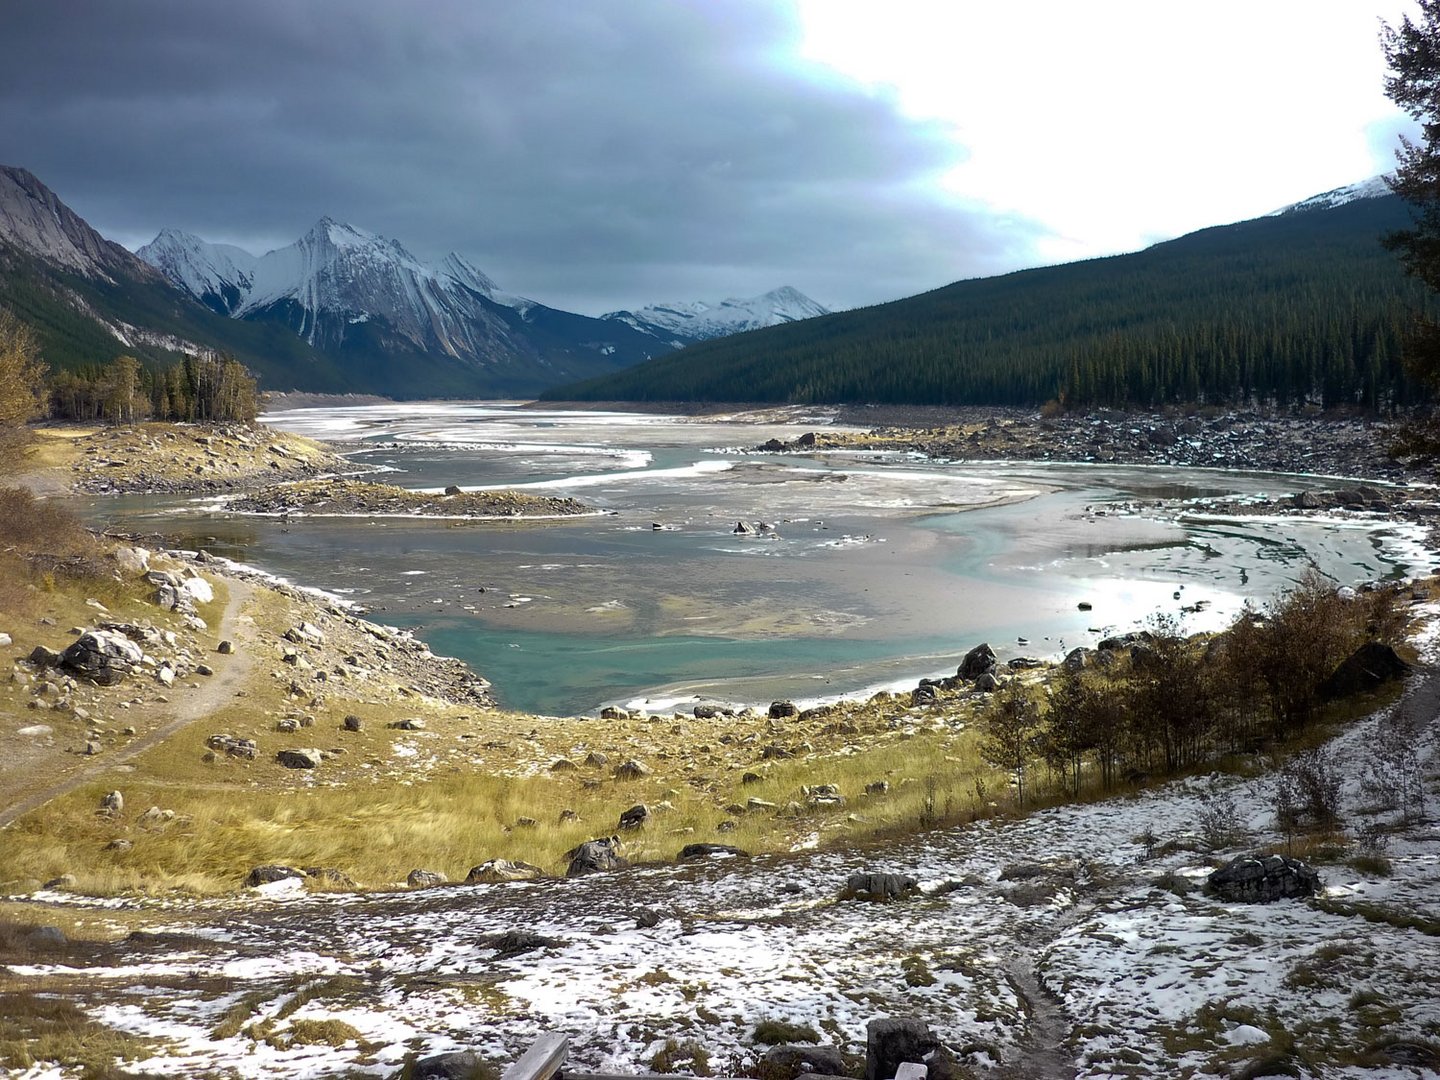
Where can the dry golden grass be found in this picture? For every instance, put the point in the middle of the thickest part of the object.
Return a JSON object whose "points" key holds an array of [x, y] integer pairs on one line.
{"points": [[232, 815]]}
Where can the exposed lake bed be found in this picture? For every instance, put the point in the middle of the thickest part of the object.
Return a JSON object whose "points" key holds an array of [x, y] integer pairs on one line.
{"points": [[864, 568]]}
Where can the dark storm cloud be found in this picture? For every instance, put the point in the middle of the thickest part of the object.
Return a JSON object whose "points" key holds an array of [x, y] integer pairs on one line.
{"points": [[591, 154]]}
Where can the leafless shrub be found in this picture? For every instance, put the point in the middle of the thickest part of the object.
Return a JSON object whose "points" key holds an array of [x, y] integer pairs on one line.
{"points": [[1307, 792]]}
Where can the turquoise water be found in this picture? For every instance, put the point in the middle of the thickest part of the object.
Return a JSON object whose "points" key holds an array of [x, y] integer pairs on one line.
{"points": [[875, 577]]}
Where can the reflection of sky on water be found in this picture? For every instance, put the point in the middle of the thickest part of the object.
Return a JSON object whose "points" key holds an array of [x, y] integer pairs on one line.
{"points": [[875, 577]]}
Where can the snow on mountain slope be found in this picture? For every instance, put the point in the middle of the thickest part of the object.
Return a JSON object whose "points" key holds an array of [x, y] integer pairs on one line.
{"points": [[1373, 188], [220, 275], [682, 323]]}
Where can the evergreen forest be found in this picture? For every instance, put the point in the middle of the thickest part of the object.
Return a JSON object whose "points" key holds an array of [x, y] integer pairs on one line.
{"points": [[1301, 308]]}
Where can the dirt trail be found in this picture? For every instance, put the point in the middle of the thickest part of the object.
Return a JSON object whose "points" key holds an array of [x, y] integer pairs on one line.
{"points": [[231, 673]]}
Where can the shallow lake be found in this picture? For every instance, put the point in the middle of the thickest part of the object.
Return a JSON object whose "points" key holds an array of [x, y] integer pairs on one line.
{"points": [[879, 569]]}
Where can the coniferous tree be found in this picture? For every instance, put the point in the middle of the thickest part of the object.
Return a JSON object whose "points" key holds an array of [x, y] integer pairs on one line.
{"points": [[1412, 49]]}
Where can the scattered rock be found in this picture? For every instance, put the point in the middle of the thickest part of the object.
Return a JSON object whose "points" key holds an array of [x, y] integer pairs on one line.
{"points": [[892, 1042], [113, 803], [868, 885], [121, 846], [691, 852], [631, 770], [232, 746], [563, 765], [300, 759], [596, 856], [495, 871], [265, 875], [513, 943], [413, 723], [425, 879], [789, 1062], [635, 817]]}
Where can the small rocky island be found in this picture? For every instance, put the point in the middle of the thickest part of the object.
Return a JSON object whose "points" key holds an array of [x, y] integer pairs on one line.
{"points": [[339, 496]]}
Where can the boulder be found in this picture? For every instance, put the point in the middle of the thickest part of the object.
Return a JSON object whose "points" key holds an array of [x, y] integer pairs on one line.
{"points": [[781, 710], [986, 682], [563, 765], [1367, 668], [300, 759], [596, 760], [1261, 879], [614, 712], [102, 656], [495, 871], [631, 770], [113, 803], [977, 662], [869, 885], [924, 694], [743, 529], [42, 657], [691, 852], [330, 875], [425, 879], [893, 1042], [596, 857], [353, 723], [791, 1061], [197, 590], [635, 817], [264, 875], [706, 712], [453, 489]]}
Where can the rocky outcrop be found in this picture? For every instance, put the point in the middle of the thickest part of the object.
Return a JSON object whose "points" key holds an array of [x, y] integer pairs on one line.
{"points": [[978, 661]]}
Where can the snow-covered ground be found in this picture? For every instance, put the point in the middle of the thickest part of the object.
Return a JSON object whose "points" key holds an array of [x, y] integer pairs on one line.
{"points": [[1044, 944]]}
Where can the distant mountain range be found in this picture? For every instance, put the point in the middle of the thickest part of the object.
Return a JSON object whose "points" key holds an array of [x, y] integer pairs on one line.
{"points": [[341, 309], [1302, 306], [685, 324]]}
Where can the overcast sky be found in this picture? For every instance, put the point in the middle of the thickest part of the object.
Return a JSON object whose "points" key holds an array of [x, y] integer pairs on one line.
{"points": [[598, 154]]}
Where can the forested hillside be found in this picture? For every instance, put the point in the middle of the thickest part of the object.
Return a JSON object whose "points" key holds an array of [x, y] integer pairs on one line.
{"points": [[1306, 306]]}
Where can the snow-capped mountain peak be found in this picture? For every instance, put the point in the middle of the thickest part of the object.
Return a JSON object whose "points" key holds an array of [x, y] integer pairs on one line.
{"points": [[1375, 187], [219, 275], [683, 323]]}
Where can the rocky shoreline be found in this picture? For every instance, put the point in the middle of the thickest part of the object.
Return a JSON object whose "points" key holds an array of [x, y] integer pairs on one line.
{"points": [[190, 458], [347, 497], [1232, 440]]}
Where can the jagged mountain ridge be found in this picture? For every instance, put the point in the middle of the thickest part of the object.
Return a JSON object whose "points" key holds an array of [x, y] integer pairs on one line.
{"points": [[36, 222], [337, 276], [686, 323]]}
